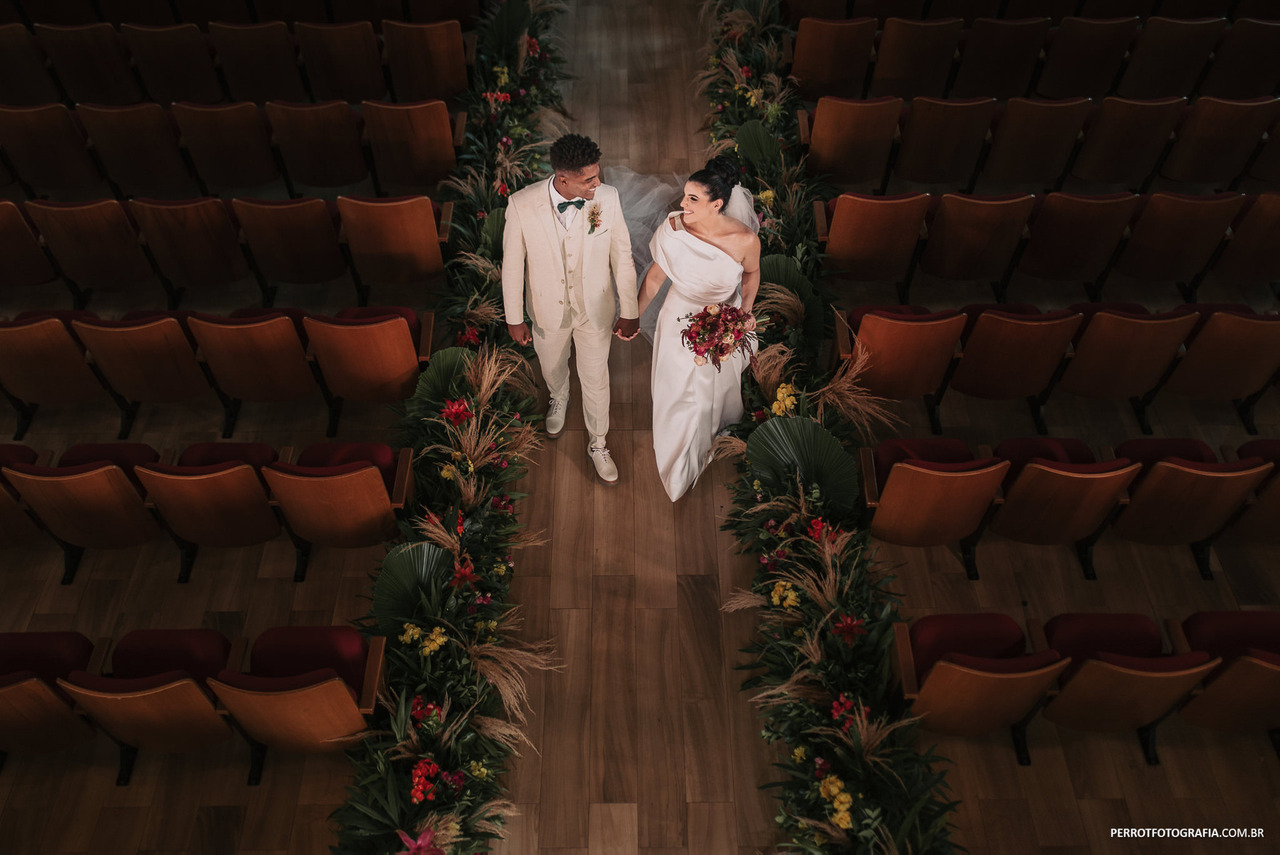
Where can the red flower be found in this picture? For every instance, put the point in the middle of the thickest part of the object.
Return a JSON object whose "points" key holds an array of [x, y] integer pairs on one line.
{"points": [[423, 785], [480, 215], [746, 71], [815, 528], [820, 768], [759, 416], [532, 44], [422, 846], [421, 709], [849, 628], [456, 412], [468, 335], [464, 573], [502, 188], [460, 526]]}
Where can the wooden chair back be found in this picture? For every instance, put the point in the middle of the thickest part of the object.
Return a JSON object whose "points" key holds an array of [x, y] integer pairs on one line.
{"points": [[1033, 140], [259, 61], [348, 511], [1013, 357], [1169, 57], [1175, 235], [33, 718], [1245, 696], [1085, 56], [924, 507], [881, 10], [230, 144], [172, 718], [1242, 66], [914, 57], [94, 242], [227, 508], [427, 61], [24, 80], [1124, 140], [314, 719], [908, 357], [292, 11], [961, 701], [1253, 253], [138, 146], [174, 61], [92, 63], [150, 361], [374, 362], [1074, 236], [1104, 697], [25, 263], [320, 143], [152, 13], [1260, 520], [392, 241], [259, 361], [294, 242], [48, 150], [1122, 356], [942, 139], [851, 139], [195, 243], [99, 509], [342, 61], [1049, 506], [874, 237], [831, 57], [412, 144], [999, 58], [1217, 138], [974, 237], [204, 12], [1175, 504], [41, 363], [1233, 356]]}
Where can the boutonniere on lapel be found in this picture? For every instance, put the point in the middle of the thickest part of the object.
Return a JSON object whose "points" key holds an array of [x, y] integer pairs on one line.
{"points": [[593, 218]]}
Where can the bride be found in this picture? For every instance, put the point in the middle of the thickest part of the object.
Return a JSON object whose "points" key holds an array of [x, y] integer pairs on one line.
{"points": [[710, 252]]}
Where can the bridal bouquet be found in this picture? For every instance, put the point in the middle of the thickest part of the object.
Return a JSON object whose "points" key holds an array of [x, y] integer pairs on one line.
{"points": [[716, 332]]}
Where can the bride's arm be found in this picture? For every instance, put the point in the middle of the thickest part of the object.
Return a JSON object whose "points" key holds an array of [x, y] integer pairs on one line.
{"points": [[652, 285], [751, 275]]}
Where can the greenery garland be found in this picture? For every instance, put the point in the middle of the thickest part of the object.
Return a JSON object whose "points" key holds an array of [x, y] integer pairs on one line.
{"points": [[855, 780], [451, 714]]}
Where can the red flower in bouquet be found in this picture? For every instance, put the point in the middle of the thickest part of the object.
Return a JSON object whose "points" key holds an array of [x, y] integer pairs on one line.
{"points": [[849, 628], [456, 412], [468, 335], [424, 785], [422, 846], [464, 573], [715, 333]]}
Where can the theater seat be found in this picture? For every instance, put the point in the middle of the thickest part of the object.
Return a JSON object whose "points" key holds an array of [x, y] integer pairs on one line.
{"points": [[34, 715]]}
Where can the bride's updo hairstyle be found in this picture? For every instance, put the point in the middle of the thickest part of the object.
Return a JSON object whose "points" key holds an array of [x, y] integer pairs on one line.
{"points": [[719, 176]]}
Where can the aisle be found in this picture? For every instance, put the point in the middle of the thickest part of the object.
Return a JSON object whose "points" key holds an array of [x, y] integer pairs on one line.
{"points": [[647, 746]]}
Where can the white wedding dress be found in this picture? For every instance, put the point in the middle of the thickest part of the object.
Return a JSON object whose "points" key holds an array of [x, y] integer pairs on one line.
{"points": [[692, 403]]}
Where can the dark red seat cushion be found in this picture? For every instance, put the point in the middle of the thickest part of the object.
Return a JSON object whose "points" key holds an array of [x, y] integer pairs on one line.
{"points": [[1267, 449], [180, 315], [1155, 664], [126, 455], [1229, 634], [1271, 658], [256, 454], [856, 315], [1007, 665], [1206, 311], [120, 685], [936, 449], [993, 636], [1082, 636], [1088, 310], [1223, 466], [49, 655], [201, 653], [1151, 450], [325, 454], [250, 314], [1022, 450], [255, 683], [370, 314], [287, 651], [64, 315], [976, 310]]}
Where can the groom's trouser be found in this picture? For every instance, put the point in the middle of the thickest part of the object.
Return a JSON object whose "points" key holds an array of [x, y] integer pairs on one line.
{"points": [[552, 347]]}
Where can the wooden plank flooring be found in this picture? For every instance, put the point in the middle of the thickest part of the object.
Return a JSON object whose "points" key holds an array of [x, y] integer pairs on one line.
{"points": [[645, 745]]}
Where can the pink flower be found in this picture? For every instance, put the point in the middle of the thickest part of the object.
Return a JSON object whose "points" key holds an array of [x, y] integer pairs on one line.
{"points": [[456, 412], [422, 846], [464, 573]]}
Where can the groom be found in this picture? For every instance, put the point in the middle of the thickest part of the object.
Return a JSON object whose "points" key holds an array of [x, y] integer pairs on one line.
{"points": [[563, 239]]}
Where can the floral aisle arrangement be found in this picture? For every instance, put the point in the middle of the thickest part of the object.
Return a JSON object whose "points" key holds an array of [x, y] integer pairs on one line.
{"points": [[451, 713], [856, 778]]}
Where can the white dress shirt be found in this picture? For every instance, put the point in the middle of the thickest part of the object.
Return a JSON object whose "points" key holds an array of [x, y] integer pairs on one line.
{"points": [[567, 216]]}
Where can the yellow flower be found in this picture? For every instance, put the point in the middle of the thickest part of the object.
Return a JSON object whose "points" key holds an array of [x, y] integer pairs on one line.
{"points": [[842, 801], [411, 633], [784, 390], [500, 569], [842, 819], [766, 198], [831, 787], [502, 76], [799, 754], [797, 632], [434, 641], [755, 485], [448, 473], [478, 770], [779, 408], [457, 455]]}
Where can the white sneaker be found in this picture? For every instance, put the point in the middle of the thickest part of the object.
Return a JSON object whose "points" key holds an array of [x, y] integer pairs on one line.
{"points": [[605, 467], [555, 417]]}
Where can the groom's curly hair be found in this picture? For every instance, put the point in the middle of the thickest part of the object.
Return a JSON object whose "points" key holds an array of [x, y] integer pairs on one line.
{"points": [[573, 152]]}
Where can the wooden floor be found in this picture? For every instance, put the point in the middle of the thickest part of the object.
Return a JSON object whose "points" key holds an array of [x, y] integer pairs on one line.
{"points": [[646, 745]]}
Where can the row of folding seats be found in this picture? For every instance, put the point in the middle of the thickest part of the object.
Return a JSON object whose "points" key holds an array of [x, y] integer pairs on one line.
{"points": [[1080, 57], [1118, 143], [1061, 237], [207, 245], [203, 12], [371, 354], [218, 494], [1053, 492], [969, 674], [1056, 10], [190, 150], [307, 690], [95, 64], [1112, 351]]}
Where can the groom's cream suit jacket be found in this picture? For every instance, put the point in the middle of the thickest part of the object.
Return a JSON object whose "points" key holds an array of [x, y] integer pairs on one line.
{"points": [[541, 259]]}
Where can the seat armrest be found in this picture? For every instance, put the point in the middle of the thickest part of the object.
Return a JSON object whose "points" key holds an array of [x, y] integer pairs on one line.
{"points": [[820, 221], [98, 657], [403, 483], [239, 647], [1177, 638], [904, 661], [802, 118], [373, 674], [45, 458], [870, 490], [286, 454], [1228, 453], [427, 322], [1106, 453], [844, 335], [1035, 633], [459, 128], [446, 222]]}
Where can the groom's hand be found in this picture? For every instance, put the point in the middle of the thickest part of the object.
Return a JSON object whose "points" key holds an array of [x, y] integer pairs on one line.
{"points": [[519, 333], [626, 328]]}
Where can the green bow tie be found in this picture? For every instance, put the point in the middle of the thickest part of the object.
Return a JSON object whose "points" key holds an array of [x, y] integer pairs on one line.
{"points": [[577, 203]]}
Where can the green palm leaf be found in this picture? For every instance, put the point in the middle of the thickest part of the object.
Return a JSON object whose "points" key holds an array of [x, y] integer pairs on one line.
{"points": [[444, 377], [782, 270], [781, 447], [410, 575]]}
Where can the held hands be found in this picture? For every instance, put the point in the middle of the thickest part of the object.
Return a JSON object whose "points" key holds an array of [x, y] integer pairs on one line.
{"points": [[626, 328], [519, 333]]}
